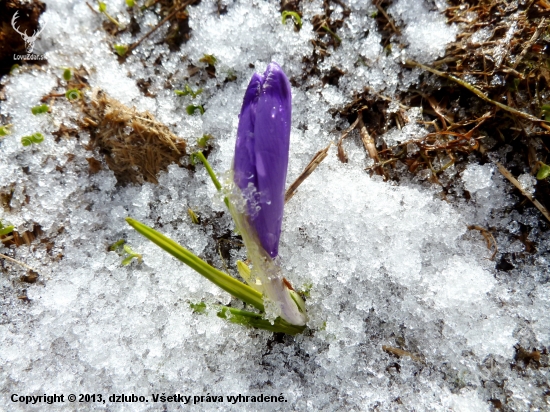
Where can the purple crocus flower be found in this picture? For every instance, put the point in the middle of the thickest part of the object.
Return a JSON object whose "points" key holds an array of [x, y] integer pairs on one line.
{"points": [[261, 153]]}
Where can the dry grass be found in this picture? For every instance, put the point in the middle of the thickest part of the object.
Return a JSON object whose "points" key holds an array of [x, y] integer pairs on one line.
{"points": [[485, 93], [136, 146]]}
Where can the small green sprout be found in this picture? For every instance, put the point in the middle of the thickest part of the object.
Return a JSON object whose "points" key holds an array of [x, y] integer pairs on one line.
{"points": [[329, 31], [546, 112], [306, 290], [515, 84], [544, 171], [121, 49], [208, 59], [131, 255], [130, 3], [192, 108], [374, 14], [147, 4], [295, 16], [116, 245], [203, 141], [361, 62], [43, 108], [123, 249], [73, 94], [198, 307], [14, 68], [193, 216], [188, 91], [67, 74], [5, 229], [35, 138], [4, 130], [103, 9], [231, 75]]}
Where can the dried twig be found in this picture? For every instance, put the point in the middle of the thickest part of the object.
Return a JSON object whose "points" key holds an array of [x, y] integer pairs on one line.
{"points": [[400, 353], [317, 159], [160, 24], [18, 262], [528, 45], [528, 195], [489, 238], [476, 91], [341, 152], [368, 142], [91, 8], [388, 18]]}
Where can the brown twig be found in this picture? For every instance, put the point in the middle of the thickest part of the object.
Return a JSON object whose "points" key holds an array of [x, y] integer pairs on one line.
{"points": [[489, 238], [475, 90], [400, 353], [154, 29], [368, 142], [528, 45], [388, 18], [317, 159], [528, 195], [91, 8], [18, 262], [341, 152]]}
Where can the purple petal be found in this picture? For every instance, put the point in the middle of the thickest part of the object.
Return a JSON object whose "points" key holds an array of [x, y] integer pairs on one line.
{"points": [[244, 163], [261, 153]]}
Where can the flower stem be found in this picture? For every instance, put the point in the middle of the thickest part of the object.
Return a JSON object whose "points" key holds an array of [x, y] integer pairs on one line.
{"points": [[209, 170], [213, 176]]}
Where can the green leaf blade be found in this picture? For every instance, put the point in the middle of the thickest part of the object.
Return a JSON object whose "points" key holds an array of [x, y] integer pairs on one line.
{"points": [[223, 280], [255, 320]]}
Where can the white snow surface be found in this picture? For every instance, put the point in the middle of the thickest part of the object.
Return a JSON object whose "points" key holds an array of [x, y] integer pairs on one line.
{"points": [[388, 265]]}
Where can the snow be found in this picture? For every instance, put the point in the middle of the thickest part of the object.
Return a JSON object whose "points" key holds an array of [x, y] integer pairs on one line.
{"points": [[388, 265]]}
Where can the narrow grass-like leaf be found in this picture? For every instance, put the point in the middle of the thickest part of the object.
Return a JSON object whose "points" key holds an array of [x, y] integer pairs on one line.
{"points": [[255, 320], [223, 280], [193, 216]]}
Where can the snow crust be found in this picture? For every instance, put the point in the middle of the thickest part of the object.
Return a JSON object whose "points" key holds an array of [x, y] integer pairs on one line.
{"points": [[386, 265]]}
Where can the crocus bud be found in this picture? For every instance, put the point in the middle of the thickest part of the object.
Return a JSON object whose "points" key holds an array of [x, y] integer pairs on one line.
{"points": [[259, 171], [261, 153]]}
